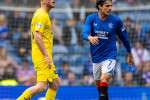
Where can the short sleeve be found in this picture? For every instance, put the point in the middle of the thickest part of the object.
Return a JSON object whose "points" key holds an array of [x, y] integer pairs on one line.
{"points": [[40, 24]]}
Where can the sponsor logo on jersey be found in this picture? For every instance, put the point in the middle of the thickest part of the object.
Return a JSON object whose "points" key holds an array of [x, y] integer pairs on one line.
{"points": [[39, 25], [101, 34]]}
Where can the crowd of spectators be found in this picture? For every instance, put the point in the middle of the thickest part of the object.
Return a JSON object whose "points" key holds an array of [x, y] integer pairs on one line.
{"points": [[71, 54], [86, 3]]}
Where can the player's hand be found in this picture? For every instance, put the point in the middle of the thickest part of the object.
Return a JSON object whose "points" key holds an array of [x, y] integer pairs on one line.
{"points": [[48, 61], [131, 59], [93, 40]]}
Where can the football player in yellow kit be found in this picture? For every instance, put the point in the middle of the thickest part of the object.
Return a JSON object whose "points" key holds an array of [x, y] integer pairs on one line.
{"points": [[42, 43]]}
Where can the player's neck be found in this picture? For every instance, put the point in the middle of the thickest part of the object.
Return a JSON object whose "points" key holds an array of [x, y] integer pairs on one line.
{"points": [[46, 8], [102, 16]]}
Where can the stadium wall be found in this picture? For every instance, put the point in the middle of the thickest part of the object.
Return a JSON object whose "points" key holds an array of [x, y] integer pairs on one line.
{"points": [[80, 93]]}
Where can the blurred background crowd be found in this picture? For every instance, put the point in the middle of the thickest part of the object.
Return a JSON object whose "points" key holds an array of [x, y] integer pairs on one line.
{"points": [[71, 54]]}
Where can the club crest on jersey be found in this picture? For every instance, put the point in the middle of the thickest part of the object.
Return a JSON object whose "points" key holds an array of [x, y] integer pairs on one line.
{"points": [[95, 24], [39, 25], [110, 25]]}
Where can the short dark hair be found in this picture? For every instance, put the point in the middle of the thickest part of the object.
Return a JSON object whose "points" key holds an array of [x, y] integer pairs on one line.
{"points": [[25, 60], [65, 63], [100, 2]]}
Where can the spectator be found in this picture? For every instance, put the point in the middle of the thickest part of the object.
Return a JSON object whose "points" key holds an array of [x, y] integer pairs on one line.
{"points": [[71, 80], [148, 41], [138, 75], [2, 69], [126, 67], [146, 73], [63, 16], [140, 54], [139, 33], [87, 80], [57, 32], [15, 22], [27, 21], [128, 79], [71, 35], [7, 3], [6, 60], [24, 45], [65, 70], [9, 73], [88, 68], [78, 16], [9, 77], [25, 75], [90, 3], [3, 29], [130, 30]]}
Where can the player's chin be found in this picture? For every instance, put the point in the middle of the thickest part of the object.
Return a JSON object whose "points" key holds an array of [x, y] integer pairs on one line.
{"points": [[108, 13], [52, 6]]}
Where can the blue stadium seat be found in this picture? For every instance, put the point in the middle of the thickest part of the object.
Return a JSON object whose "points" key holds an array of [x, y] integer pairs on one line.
{"points": [[76, 49], [30, 60], [16, 58], [77, 69], [10, 48], [59, 58], [80, 60], [60, 49], [145, 28], [15, 37]]}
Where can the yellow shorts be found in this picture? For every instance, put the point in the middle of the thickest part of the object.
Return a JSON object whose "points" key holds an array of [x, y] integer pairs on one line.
{"points": [[44, 73]]}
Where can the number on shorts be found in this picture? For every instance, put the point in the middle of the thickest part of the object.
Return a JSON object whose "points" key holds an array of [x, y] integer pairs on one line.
{"points": [[109, 64]]}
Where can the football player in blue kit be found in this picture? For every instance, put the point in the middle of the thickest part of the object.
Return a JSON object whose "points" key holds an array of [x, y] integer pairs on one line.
{"points": [[101, 29]]}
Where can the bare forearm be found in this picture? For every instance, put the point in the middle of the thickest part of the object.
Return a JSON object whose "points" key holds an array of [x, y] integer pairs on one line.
{"points": [[130, 54], [40, 44]]}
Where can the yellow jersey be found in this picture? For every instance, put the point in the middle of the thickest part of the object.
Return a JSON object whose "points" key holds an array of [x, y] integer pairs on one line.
{"points": [[41, 23]]}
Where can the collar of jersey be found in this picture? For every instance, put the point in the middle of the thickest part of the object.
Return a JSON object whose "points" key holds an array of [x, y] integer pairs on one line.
{"points": [[43, 10], [103, 20]]}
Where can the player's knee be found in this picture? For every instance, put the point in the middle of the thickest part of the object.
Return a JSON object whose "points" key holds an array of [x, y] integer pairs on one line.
{"points": [[104, 79], [41, 88], [55, 85], [44, 88]]}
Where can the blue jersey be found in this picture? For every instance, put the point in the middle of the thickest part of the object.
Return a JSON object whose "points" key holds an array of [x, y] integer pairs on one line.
{"points": [[106, 31]]}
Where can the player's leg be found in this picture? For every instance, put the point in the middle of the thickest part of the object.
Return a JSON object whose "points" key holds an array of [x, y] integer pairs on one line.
{"points": [[108, 67], [104, 86], [52, 90], [97, 74], [97, 82], [34, 90], [53, 86]]}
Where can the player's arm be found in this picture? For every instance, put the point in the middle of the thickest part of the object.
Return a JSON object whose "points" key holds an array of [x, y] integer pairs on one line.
{"points": [[39, 29], [40, 44], [123, 36], [87, 30]]}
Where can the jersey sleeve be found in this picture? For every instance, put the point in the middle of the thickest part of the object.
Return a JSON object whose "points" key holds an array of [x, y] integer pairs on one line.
{"points": [[123, 35], [40, 24], [87, 28]]}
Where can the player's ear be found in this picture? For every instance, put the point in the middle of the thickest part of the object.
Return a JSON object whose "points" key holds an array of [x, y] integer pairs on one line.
{"points": [[99, 7], [42, 1]]}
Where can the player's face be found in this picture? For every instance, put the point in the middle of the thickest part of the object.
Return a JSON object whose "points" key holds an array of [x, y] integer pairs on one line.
{"points": [[50, 3], [106, 8]]}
